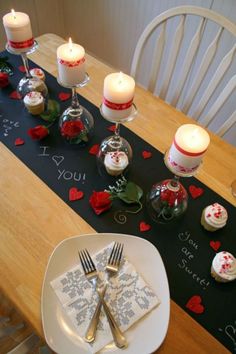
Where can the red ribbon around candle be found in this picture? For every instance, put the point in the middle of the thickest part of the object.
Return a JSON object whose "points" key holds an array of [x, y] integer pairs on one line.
{"points": [[187, 152], [71, 64], [117, 106], [24, 44]]}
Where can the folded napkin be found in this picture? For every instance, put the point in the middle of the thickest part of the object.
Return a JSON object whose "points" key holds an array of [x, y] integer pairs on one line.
{"points": [[128, 297]]}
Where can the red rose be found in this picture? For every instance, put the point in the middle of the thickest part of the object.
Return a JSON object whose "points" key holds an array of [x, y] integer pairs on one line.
{"points": [[100, 201], [72, 129], [3, 80], [172, 197], [39, 132]]}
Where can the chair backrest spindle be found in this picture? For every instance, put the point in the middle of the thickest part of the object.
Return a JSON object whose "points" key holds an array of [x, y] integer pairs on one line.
{"points": [[189, 90]]}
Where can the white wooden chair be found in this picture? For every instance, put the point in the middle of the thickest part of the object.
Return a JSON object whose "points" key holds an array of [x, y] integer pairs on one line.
{"points": [[180, 66]]}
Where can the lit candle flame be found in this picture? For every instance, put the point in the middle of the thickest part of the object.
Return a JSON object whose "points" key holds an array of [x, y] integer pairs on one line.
{"points": [[13, 13], [70, 44]]}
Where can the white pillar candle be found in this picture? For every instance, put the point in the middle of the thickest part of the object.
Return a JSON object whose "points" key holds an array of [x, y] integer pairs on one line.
{"points": [[118, 94], [71, 63], [186, 152], [18, 31]]}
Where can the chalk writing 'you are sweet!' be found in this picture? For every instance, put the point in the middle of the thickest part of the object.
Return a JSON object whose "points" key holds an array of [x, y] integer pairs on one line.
{"points": [[188, 249], [62, 173]]}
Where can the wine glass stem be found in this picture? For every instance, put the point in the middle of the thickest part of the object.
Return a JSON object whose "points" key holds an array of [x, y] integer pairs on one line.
{"points": [[26, 64], [175, 181], [117, 130], [75, 102]]}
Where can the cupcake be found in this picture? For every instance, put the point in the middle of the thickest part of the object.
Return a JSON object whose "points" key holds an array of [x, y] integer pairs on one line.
{"points": [[214, 217], [38, 73], [223, 267], [34, 102], [115, 162]]}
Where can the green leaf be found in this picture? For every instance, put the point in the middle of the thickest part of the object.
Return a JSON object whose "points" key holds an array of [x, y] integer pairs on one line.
{"points": [[132, 193], [53, 111], [6, 67], [75, 140], [46, 116], [125, 199], [53, 107]]}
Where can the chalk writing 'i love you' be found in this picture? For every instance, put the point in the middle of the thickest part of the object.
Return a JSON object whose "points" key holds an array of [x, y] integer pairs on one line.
{"points": [[62, 173]]}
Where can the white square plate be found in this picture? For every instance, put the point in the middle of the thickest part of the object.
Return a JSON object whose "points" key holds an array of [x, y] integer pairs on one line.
{"points": [[143, 337]]}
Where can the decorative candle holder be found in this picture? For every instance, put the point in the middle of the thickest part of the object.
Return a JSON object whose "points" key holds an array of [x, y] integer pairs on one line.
{"points": [[115, 153], [28, 83], [76, 123], [168, 199]]}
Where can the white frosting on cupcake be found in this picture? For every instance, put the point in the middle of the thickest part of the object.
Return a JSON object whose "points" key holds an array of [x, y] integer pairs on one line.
{"points": [[37, 72], [116, 161], [33, 98], [224, 265], [216, 215]]}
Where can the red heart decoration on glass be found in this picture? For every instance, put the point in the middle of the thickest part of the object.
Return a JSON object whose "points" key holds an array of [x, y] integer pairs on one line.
{"points": [[21, 68], [94, 149], [75, 194], [146, 154], [215, 245], [195, 191], [19, 141], [63, 96], [112, 128], [143, 226], [194, 304], [15, 95]]}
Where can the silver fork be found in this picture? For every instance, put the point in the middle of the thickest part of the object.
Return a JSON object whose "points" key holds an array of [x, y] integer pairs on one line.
{"points": [[112, 268], [92, 276]]}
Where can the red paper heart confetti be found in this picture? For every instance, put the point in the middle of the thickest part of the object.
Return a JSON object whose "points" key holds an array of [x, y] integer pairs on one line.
{"points": [[19, 141], [194, 304], [146, 154], [94, 149], [143, 226], [195, 192], [75, 194], [215, 245], [112, 128], [63, 96], [15, 95], [21, 68]]}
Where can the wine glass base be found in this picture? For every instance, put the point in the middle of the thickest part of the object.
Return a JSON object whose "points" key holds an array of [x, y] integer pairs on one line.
{"points": [[78, 85], [113, 116], [29, 50], [167, 201], [114, 156], [76, 125]]}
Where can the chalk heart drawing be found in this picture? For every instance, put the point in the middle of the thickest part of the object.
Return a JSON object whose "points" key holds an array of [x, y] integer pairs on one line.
{"points": [[57, 159], [230, 331]]}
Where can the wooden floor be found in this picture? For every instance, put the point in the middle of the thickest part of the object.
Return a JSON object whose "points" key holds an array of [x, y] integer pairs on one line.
{"points": [[13, 318]]}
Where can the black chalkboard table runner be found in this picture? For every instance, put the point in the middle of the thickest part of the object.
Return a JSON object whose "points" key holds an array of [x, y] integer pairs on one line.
{"points": [[184, 245]]}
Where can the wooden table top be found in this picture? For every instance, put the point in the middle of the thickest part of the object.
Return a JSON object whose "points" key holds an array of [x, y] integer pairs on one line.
{"points": [[34, 219]]}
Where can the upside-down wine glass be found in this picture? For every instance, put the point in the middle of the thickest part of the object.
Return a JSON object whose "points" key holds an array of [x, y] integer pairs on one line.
{"points": [[28, 83], [76, 123]]}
